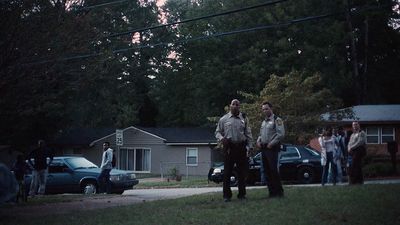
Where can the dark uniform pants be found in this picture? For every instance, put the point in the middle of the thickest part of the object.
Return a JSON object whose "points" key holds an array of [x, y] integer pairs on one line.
{"points": [[356, 175], [270, 162], [236, 154]]}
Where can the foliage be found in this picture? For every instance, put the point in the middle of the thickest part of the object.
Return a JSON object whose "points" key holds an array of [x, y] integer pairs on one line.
{"points": [[74, 67], [379, 169], [298, 98]]}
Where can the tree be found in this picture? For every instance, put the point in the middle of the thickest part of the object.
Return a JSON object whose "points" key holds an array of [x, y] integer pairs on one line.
{"points": [[298, 98]]}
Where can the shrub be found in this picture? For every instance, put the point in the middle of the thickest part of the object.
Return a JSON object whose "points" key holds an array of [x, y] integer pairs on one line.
{"points": [[379, 169]]}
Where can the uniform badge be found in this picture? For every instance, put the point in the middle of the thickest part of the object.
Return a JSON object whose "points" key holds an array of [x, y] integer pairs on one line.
{"points": [[279, 122]]}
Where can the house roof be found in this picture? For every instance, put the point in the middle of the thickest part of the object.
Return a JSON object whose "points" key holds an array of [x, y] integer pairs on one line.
{"points": [[81, 136], [186, 135], [368, 113], [171, 136]]}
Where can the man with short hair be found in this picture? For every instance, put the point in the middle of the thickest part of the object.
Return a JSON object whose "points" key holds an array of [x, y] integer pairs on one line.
{"points": [[272, 133], [106, 166], [42, 157], [235, 134], [357, 150]]}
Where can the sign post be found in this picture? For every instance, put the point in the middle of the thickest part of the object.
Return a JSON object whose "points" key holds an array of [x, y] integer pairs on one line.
{"points": [[119, 137], [119, 141]]}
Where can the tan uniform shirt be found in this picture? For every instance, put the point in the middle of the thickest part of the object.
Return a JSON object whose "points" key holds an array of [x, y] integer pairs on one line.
{"points": [[357, 139], [234, 128], [272, 131]]}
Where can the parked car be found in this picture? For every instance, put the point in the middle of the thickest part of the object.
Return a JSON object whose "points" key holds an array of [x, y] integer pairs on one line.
{"points": [[71, 174], [298, 164]]}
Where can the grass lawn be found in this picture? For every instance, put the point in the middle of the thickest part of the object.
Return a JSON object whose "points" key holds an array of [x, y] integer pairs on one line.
{"points": [[364, 204]]}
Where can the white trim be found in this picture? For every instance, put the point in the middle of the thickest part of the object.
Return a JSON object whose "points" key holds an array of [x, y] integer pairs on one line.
{"points": [[197, 156], [123, 130], [380, 135], [134, 158]]}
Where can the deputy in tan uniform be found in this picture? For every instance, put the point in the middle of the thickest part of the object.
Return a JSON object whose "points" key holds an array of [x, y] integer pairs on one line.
{"points": [[272, 133], [235, 134], [357, 150]]}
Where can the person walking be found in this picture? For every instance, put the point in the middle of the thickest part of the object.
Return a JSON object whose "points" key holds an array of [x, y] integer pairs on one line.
{"points": [[272, 132], [234, 133], [357, 150], [328, 144], [106, 166], [40, 158]]}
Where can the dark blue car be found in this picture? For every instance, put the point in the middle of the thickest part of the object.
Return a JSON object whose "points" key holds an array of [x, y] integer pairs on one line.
{"points": [[298, 164], [71, 174]]}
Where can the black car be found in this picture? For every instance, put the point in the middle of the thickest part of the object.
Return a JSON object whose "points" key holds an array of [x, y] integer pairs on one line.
{"points": [[298, 164]]}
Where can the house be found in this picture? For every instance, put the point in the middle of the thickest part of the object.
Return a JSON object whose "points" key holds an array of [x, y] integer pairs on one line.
{"points": [[381, 123], [149, 150]]}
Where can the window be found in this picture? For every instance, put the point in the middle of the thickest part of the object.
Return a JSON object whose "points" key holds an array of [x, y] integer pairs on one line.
{"points": [[372, 135], [290, 153], [136, 159], [191, 156], [379, 135], [57, 166], [387, 134]]}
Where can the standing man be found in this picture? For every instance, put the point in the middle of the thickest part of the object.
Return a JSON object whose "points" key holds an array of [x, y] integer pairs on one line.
{"points": [[357, 151], [235, 134], [272, 133], [42, 157], [106, 166]]}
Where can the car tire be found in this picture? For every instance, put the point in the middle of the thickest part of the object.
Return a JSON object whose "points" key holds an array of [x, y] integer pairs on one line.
{"points": [[306, 175], [234, 179], [89, 187]]}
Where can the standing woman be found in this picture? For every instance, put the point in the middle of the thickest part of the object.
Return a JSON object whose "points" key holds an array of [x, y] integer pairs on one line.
{"points": [[328, 144]]}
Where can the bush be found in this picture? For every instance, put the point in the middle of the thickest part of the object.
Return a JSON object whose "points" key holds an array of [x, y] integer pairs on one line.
{"points": [[379, 169]]}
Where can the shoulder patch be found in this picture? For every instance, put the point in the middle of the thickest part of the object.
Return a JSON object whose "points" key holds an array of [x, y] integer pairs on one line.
{"points": [[279, 122]]}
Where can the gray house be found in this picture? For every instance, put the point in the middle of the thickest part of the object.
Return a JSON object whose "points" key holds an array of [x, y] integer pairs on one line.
{"points": [[158, 150]]}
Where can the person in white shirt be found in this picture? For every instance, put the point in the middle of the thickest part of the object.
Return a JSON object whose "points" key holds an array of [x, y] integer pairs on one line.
{"points": [[328, 146], [106, 166]]}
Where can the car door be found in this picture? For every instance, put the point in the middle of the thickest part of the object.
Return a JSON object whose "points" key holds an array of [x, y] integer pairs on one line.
{"points": [[288, 162], [59, 178]]}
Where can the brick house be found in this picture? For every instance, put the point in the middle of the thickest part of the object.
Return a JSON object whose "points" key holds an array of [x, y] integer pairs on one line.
{"points": [[381, 123]]}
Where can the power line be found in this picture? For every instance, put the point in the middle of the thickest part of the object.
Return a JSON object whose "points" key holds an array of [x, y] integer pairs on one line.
{"points": [[103, 4], [197, 18], [193, 39], [277, 25]]}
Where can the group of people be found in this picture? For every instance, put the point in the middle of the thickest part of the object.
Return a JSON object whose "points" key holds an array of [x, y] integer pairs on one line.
{"points": [[339, 150], [234, 132], [39, 160]]}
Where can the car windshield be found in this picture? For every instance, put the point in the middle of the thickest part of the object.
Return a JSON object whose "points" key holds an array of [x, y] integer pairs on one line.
{"points": [[80, 163], [311, 151]]}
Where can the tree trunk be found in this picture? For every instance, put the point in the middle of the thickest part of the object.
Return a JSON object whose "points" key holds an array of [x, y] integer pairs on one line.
{"points": [[353, 55], [365, 70]]}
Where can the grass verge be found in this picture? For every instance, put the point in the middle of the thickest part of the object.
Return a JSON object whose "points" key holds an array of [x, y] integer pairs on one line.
{"points": [[364, 204]]}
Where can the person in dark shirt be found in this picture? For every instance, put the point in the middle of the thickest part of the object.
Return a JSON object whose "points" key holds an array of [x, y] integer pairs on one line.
{"points": [[42, 157], [20, 168]]}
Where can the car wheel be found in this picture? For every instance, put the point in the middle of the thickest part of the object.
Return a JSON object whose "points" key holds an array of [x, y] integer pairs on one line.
{"points": [[234, 179], [306, 175], [89, 187]]}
